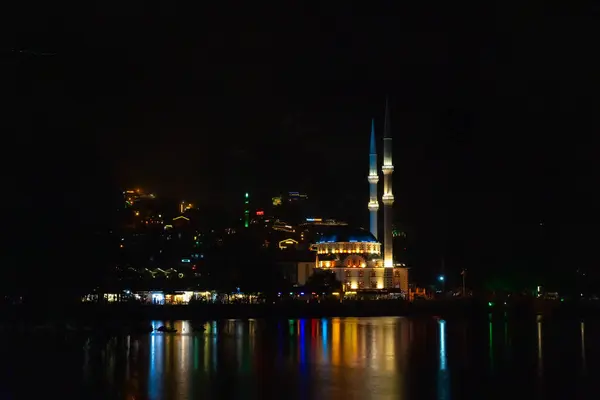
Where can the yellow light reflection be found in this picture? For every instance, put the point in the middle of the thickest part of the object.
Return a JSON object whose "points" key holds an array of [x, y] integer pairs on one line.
{"points": [[335, 342], [206, 354], [389, 347], [350, 342], [362, 337], [583, 360], [184, 352]]}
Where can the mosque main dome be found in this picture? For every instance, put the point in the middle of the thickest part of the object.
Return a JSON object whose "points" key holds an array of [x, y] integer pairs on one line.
{"points": [[345, 234]]}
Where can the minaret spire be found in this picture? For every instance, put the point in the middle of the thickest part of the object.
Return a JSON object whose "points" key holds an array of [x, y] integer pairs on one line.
{"points": [[373, 149], [388, 195], [373, 179]]}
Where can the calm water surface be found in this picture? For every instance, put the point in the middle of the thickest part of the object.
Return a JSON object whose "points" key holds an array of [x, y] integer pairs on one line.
{"points": [[337, 358]]}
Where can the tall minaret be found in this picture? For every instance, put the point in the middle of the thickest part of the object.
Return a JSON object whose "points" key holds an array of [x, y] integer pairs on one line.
{"points": [[246, 210], [373, 179], [388, 195]]}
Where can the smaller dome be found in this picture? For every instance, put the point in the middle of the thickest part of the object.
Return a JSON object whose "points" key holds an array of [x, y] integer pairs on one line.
{"points": [[346, 234]]}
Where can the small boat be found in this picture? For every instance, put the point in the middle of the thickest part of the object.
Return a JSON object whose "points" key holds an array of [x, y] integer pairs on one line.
{"points": [[166, 329]]}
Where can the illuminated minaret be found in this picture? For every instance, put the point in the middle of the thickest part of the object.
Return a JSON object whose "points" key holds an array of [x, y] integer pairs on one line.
{"points": [[388, 195], [373, 179], [246, 210]]}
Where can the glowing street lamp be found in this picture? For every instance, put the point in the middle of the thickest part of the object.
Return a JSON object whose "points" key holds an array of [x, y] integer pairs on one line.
{"points": [[442, 280]]}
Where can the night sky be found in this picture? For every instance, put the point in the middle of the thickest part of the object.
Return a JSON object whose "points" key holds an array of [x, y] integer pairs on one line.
{"points": [[494, 109]]}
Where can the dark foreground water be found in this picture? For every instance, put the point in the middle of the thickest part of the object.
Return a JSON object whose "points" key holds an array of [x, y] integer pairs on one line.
{"points": [[336, 358]]}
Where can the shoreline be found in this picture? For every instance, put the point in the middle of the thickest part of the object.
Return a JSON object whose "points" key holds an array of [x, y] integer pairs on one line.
{"points": [[124, 312]]}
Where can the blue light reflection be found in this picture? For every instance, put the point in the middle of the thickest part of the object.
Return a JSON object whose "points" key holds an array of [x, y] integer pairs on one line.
{"points": [[443, 382]]}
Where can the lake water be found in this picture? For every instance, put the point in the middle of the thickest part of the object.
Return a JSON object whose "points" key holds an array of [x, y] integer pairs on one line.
{"points": [[334, 358]]}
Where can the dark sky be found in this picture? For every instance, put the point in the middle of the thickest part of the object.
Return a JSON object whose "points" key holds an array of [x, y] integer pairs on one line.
{"points": [[494, 108]]}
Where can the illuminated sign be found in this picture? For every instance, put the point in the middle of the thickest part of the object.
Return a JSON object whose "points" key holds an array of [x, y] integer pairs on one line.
{"points": [[314, 219], [260, 212], [183, 207], [287, 242], [297, 195]]}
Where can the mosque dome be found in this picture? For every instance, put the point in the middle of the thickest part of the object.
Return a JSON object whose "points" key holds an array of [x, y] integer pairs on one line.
{"points": [[346, 234]]}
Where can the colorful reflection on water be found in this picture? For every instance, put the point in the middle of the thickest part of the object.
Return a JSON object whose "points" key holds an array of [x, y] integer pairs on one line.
{"points": [[331, 358]]}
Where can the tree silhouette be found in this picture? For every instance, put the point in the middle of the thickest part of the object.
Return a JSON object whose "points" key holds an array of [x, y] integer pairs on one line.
{"points": [[323, 281]]}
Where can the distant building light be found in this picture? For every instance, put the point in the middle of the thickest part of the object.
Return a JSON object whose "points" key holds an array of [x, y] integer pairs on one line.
{"points": [[286, 242], [185, 260]]}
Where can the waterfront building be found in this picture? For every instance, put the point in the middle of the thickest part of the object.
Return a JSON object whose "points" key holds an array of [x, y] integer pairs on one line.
{"points": [[297, 269]]}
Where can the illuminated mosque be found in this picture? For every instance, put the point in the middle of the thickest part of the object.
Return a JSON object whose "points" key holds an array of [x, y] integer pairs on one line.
{"points": [[354, 254]]}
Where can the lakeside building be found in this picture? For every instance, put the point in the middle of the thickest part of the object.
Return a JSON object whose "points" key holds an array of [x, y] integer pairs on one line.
{"points": [[296, 266], [172, 297]]}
